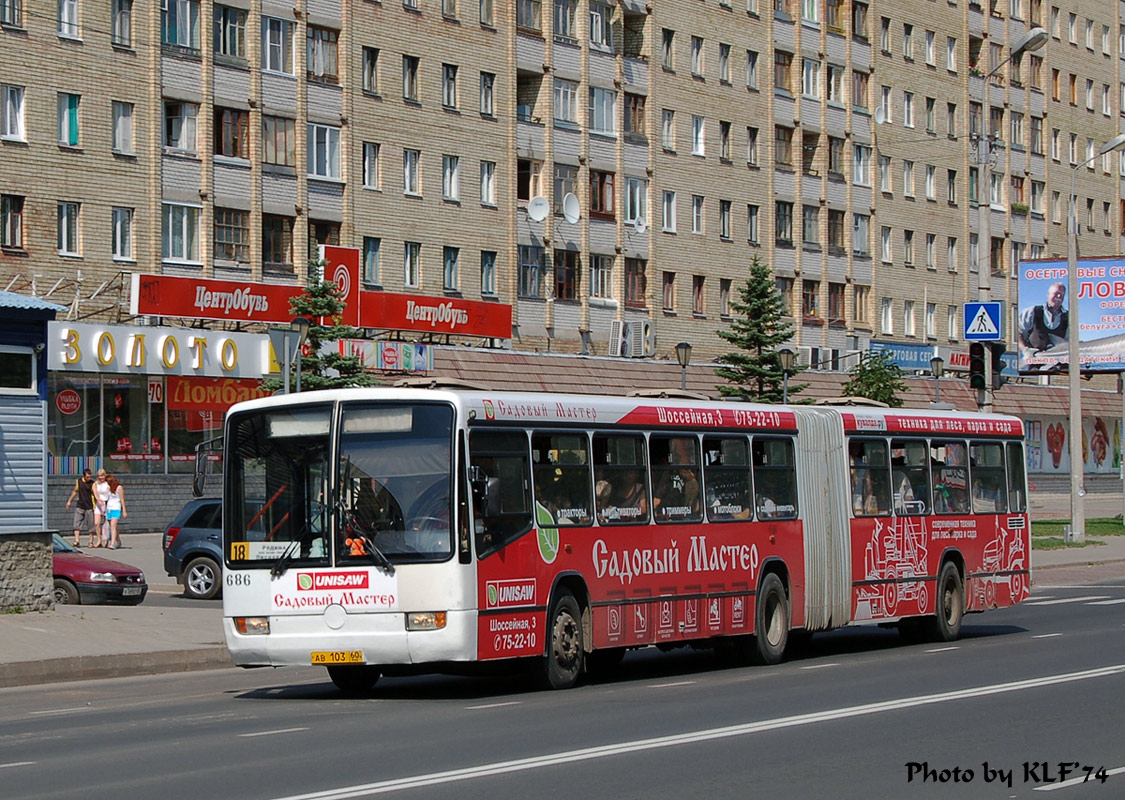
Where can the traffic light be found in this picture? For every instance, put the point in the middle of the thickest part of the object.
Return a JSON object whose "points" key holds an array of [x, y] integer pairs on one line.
{"points": [[998, 349], [976, 365]]}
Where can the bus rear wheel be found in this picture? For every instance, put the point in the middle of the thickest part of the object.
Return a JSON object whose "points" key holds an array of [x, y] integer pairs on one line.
{"points": [[353, 678], [561, 666], [945, 625], [771, 620]]}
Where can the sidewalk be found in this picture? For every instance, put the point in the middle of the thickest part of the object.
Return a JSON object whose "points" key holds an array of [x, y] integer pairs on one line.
{"points": [[72, 643]]}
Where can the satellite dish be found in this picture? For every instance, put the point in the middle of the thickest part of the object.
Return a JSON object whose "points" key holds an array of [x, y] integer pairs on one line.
{"points": [[571, 212], [641, 226], [538, 208], [880, 115]]}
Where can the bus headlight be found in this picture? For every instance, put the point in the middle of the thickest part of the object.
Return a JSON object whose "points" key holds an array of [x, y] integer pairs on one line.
{"points": [[425, 620], [252, 626]]}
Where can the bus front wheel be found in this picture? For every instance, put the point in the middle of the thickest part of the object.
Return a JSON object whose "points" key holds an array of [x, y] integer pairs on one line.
{"points": [[945, 625], [771, 620], [562, 664], [353, 678]]}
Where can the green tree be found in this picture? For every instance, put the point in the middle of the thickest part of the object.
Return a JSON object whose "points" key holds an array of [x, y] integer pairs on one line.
{"points": [[876, 377], [321, 303], [758, 329]]}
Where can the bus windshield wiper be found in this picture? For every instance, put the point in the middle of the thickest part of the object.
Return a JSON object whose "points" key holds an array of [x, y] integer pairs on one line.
{"points": [[378, 556], [285, 559]]}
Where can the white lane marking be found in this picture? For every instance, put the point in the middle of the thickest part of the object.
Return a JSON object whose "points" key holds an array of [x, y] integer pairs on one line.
{"points": [[1046, 636], [1060, 601], [37, 630], [494, 705], [822, 666], [1075, 781], [16, 764], [943, 649], [693, 737], [271, 733], [1117, 602], [669, 685], [58, 711]]}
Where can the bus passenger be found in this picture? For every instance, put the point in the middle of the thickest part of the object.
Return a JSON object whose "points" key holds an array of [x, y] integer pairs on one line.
{"points": [[629, 496]]}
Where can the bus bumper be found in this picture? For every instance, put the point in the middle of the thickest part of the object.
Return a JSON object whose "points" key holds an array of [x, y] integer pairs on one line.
{"points": [[382, 639]]}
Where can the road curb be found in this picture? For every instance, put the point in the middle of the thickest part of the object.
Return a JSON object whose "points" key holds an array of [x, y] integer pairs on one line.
{"points": [[1097, 562], [76, 668]]}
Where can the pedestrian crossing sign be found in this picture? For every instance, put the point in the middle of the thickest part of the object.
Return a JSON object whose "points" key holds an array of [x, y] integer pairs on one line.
{"points": [[983, 322]]}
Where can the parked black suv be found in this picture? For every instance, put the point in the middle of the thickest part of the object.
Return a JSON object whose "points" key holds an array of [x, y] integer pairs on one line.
{"points": [[193, 548]]}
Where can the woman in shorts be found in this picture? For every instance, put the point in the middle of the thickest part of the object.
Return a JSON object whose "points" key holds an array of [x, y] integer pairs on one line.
{"points": [[114, 512]]}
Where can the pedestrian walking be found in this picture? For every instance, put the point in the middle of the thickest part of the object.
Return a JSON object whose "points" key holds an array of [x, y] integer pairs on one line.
{"points": [[114, 513], [101, 495], [83, 493]]}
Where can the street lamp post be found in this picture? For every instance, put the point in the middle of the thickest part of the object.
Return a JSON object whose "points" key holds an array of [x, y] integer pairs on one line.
{"points": [[787, 358], [1034, 39], [683, 355], [937, 368], [1074, 363], [301, 325]]}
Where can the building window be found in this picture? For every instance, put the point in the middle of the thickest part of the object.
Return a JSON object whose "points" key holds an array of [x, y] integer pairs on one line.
{"points": [[411, 171], [697, 56], [486, 13], [724, 219], [321, 62], [931, 320], [752, 215], [724, 297], [783, 145], [724, 63], [782, 71], [449, 8], [324, 151], [861, 166], [450, 259], [11, 221], [698, 135], [810, 298], [68, 119], [810, 227], [951, 322], [601, 26], [751, 70], [68, 18], [566, 180], [487, 272], [667, 49], [635, 114], [862, 295], [230, 32], [951, 253], [487, 94], [180, 233], [370, 165], [232, 235], [529, 179], [835, 232], [835, 304], [180, 126], [908, 247], [885, 249], [122, 22], [370, 74], [371, 248], [908, 317], [697, 213], [277, 45], [122, 127], [752, 146], [697, 307], [602, 202], [636, 201], [528, 14], [122, 229], [810, 78], [566, 20], [668, 129], [601, 276], [410, 78], [277, 241], [931, 251], [886, 316], [449, 85], [860, 81], [531, 268], [11, 112], [861, 234], [11, 13], [488, 183], [669, 216], [412, 264], [232, 133], [636, 282], [566, 101], [603, 111], [451, 178], [566, 275], [783, 223], [279, 145]]}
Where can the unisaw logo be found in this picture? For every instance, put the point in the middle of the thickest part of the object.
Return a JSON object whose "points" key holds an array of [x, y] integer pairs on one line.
{"points": [[489, 410], [503, 594], [323, 581]]}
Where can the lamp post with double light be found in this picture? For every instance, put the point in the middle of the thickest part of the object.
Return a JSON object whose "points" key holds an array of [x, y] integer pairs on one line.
{"points": [[683, 355], [1031, 41], [788, 359], [301, 325], [1074, 365]]}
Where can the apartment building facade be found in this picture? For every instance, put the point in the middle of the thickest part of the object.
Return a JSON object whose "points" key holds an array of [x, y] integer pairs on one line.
{"points": [[605, 170]]}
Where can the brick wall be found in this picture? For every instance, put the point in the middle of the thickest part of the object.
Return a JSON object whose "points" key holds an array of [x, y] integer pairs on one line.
{"points": [[25, 572]]}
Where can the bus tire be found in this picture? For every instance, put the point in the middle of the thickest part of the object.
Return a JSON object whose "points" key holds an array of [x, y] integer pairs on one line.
{"points": [[945, 625], [771, 621], [562, 664], [353, 678]]}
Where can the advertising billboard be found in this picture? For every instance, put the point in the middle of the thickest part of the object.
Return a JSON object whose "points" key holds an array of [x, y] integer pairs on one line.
{"points": [[1046, 313]]}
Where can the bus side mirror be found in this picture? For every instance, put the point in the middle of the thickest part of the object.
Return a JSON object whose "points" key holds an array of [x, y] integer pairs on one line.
{"points": [[492, 498], [486, 492]]}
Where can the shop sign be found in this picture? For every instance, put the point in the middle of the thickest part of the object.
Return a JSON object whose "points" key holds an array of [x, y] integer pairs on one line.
{"points": [[210, 395], [441, 315], [68, 401], [907, 356], [133, 349]]}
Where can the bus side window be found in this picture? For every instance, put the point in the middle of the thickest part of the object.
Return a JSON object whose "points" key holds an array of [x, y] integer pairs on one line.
{"points": [[561, 469], [501, 465], [910, 476], [951, 477], [775, 478], [726, 476], [675, 479], [620, 489], [870, 477], [1016, 478], [990, 491]]}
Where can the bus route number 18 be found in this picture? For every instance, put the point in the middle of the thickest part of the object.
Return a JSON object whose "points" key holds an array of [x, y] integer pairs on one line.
{"points": [[240, 551]]}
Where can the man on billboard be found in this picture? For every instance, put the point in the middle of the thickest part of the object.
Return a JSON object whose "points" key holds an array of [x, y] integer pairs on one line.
{"points": [[1044, 326]]}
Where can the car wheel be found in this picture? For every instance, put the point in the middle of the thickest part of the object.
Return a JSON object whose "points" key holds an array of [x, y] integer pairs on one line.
{"points": [[202, 579], [66, 593]]}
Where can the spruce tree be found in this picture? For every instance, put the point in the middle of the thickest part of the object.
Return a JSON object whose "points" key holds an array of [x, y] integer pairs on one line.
{"points": [[322, 304], [876, 377], [758, 329]]}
